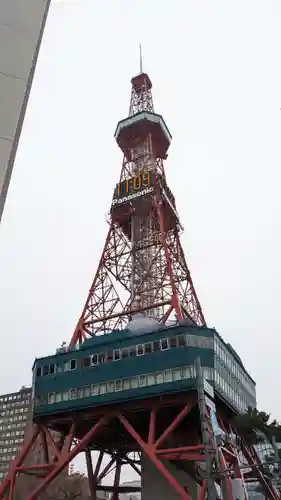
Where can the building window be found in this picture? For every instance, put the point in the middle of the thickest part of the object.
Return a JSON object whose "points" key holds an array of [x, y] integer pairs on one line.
{"points": [[134, 382], [101, 357], [125, 352], [133, 351], [110, 386], [86, 362], [58, 397], [126, 384], [45, 370], [164, 344], [181, 340], [72, 394], [73, 364], [148, 348], [95, 359], [140, 350], [118, 385], [87, 391], [116, 354], [66, 366], [156, 345], [173, 342], [51, 398], [102, 388], [176, 374], [94, 390], [142, 381]]}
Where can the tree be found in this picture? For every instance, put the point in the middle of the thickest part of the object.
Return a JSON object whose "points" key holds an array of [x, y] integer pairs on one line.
{"points": [[254, 426]]}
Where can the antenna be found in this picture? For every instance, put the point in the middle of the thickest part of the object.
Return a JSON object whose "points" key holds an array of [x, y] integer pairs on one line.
{"points": [[140, 59]]}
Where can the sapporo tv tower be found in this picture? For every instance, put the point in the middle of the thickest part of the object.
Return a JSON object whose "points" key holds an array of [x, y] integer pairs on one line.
{"points": [[127, 385]]}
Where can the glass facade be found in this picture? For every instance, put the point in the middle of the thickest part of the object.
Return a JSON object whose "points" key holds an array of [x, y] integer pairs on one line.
{"points": [[231, 379]]}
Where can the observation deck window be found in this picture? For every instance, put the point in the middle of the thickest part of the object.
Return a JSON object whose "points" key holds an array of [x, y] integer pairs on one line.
{"points": [[38, 371]]}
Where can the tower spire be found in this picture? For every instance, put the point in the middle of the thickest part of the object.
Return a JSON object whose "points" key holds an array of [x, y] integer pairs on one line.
{"points": [[141, 66]]}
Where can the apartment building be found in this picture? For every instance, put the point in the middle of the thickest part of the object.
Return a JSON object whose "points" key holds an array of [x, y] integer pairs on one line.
{"points": [[15, 413]]}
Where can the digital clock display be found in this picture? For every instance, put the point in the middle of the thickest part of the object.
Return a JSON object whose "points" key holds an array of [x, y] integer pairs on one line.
{"points": [[133, 188]]}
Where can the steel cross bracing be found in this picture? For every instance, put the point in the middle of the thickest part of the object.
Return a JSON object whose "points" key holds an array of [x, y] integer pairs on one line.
{"points": [[126, 439]]}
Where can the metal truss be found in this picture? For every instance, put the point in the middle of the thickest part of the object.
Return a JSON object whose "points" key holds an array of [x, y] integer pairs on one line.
{"points": [[166, 281], [158, 443]]}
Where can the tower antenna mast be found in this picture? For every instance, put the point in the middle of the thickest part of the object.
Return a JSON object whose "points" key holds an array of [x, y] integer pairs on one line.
{"points": [[141, 66]]}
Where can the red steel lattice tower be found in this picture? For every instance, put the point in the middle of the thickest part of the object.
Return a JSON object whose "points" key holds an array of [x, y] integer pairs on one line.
{"points": [[143, 265], [142, 270]]}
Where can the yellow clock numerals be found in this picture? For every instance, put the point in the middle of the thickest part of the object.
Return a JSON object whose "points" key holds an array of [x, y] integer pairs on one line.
{"points": [[146, 178], [137, 182]]}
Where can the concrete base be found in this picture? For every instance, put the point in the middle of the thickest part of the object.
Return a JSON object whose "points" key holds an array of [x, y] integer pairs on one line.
{"points": [[155, 486]]}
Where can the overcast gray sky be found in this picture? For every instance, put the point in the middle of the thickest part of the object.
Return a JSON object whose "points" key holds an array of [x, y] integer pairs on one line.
{"points": [[215, 68]]}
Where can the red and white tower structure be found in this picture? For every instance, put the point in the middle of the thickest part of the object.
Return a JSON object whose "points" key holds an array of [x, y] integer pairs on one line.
{"points": [[143, 266], [142, 271]]}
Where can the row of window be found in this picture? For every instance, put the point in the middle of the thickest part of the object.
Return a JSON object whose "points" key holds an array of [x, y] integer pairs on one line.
{"points": [[13, 418], [223, 353], [11, 449], [11, 434], [5, 458], [12, 412], [231, 380], [126, 352], [231, 395], [147, 379], [15, 404], [11, 425], [19, 397]]}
